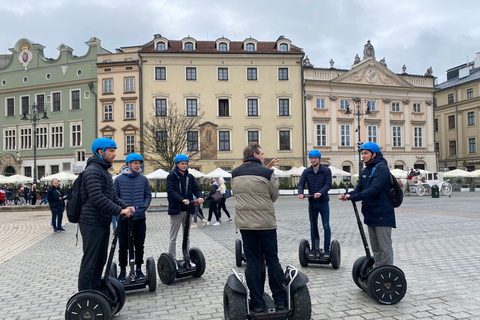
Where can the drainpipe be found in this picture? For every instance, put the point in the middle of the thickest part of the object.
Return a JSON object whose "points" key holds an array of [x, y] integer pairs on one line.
{"points": [[456, 127], [90, 86], [140, 101], [304, 118]]}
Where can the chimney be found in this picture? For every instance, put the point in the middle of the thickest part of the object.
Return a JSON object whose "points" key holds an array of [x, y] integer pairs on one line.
{"points": [[477, 61]]}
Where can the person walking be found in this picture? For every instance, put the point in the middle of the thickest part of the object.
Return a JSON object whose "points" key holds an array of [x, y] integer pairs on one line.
{"points": [[198, 214], [56, 202], [33, 194], [133, 188], [21, 196], [15, 195], [256, 189], [377, 209], [43, 194], [213, 204], [2, 196], [221, 204]]}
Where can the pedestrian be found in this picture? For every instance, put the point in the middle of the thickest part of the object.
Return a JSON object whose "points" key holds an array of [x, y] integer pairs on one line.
{"points": [[2, 196], [377, 209], [26, 195], [213, 204], [319, 181], [9, 195], [198, 213], [256, 189], [15, 195], [133, 188], [21, 197], [33, 194], [43, 194], [181, 186], [56, 202], [67, 192], [100, 204], [221, 204]]}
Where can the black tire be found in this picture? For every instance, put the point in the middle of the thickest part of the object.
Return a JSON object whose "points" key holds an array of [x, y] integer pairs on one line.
{"points": [[113, 270], [387, 284], [336, 254], [198, 258], [234, 304], [303, 250], [151, 275], [120, 292], [302, 305], [356, 270], [238, 252], [166, 268], [88, 305]]}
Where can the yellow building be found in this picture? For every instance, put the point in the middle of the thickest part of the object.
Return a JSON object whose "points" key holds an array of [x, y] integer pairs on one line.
{"points": [[399, 119]]}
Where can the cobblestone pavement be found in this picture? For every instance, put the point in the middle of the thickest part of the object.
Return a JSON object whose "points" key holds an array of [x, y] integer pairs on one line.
{"points": [[436, 244]]}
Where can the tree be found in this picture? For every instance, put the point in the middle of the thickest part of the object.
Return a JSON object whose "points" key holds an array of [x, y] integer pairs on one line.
{"points": [[167, 134]]}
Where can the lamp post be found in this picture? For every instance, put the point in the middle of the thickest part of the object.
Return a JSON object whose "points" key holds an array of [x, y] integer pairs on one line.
{"points": [[34, 118], [358, 114]]}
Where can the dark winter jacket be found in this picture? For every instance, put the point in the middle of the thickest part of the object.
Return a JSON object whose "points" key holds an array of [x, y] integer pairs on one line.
{"points": [[372, 191], [100, 200], [213, 190], [134, 189], [317, 182], [174, 191], [53, 196]]}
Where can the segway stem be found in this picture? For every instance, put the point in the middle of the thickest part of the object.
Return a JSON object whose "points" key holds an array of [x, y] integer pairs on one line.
{"points": [[360, 228], [186, 233], [131, 257]]}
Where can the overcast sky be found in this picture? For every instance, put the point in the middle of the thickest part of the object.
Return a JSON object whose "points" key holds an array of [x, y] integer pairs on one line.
{"points": [[418, 33]]}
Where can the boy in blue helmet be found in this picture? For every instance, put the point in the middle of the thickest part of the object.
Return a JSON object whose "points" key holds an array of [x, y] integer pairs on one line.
{"points": [[377, 209], [319, 180], [100, 204], [133, 188]]}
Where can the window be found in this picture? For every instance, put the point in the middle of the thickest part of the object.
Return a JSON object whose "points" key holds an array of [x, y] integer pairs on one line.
{"points": [[188, 46], [9, 142], [372, 105], [108, 86], [320, 103], [450, 98], [252, 74], [42, 134], [223, 108], [76, 130], [396, 136], [130, 143], [192, 141], [283, 47], [41, 102], [451, 122], [284, 140], [54, 169], [28, 171], [129, 111], [417, 107], [224, 141], [191, 107], [10, 107], [417, 137], [162, 140], [56, 137], [252, 137], [25, 138], [160, 107], [80, 155], [252, 109], [192, 73], [372, 134], [321, 135], [435, 125], [437, 147], [222, 74], [345, 135], [469, 93], [26, 105], [283, 107], [452, 145], [129, 85], [344, 104], [472, 146], [250, 47], [160, 73], [75, 96], [56, 105], [161, 46], [282, 73], [107, 112], [471, 118], [222, 46], [395, 106]]}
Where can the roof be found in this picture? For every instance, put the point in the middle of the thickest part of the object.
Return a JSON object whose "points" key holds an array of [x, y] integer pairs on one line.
{"points": [[474, 75]]}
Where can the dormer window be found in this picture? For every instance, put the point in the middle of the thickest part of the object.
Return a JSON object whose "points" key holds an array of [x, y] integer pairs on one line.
{"points": [[161, 46], [188, 46], [250, 47], [283, 47], [222, 47]]}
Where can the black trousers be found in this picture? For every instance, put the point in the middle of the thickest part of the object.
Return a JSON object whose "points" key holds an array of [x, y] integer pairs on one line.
{"points": [[139, 231], [213, 209]]}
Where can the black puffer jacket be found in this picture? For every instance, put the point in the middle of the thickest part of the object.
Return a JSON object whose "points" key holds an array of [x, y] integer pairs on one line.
{"points": [[101, 201], [174, 192]]}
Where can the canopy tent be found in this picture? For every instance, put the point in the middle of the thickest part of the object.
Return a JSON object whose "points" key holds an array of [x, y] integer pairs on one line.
{"points": [[158, 174], [296, 172], [61, 176], [458, 173], [281, 173], [217, 173], [197, 174], [475, 174], [338, 172], [16, 179], [399, 173]]}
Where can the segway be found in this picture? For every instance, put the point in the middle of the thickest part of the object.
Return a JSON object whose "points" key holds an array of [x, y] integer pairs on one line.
{"points": [[239, 255], [386, 283], [166, 266], [131, 282], [319, 257], [236, 304], [101, 304]]}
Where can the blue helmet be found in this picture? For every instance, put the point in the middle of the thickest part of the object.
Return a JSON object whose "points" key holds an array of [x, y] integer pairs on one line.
{"points": [[181, 157], [314, 153], [371, 146], [102, 143], [133, 156]]}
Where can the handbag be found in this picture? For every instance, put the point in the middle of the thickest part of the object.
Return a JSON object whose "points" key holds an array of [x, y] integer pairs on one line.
{"points": [[217, 196], [227, 194]]}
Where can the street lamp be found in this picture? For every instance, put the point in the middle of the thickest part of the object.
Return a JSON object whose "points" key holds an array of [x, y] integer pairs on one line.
{"points": [[358, 114], [34, 119]]}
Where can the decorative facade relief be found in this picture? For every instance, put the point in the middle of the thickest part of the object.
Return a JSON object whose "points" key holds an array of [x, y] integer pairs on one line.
{"points": [[64, 69]]}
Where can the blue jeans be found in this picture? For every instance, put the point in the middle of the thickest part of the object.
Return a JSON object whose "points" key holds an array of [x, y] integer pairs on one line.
{"points": [[57, 216], [44, 199], [114, 222], [324, 209]]}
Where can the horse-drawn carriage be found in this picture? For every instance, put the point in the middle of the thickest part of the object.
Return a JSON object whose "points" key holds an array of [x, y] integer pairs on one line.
{"points": [[420, 186]]}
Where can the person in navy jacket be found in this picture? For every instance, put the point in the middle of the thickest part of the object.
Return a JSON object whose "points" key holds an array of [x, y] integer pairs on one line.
{"points": [[319, 180], [378, 211]]}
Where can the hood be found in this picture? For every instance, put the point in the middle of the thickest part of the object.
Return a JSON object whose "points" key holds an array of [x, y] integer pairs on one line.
{"points": [[215, 183], [221, 180], [378, 159], [126, 170]]}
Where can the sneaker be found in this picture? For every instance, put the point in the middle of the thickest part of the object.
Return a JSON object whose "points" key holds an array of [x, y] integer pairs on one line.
{"points": [[326, 255], [280, 306], [61, 229], [216, 223], [204, 222], [229, 221], [140, 275], [122, 275], [208, 223], [312, 255], [257, 310], [192, 264]]}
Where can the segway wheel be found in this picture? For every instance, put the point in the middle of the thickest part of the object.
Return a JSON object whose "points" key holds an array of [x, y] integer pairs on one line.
{"points": [[238, 252], [120, 292], [151, 275], [113, 270], [166, 268], [303, 250], [357, 269], [234, 304], [88, 305], [197, 257], [387, 284], [335, 252], [302, 305]]}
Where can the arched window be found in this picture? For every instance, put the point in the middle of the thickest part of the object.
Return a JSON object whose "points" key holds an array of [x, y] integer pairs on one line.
{"points": [[283, 47], [222, 46], [250, 47], [161, 46], [188, 46]]}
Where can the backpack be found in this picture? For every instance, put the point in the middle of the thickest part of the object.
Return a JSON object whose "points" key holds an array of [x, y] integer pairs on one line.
{"points": [[75, 203], [395, 195]]}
